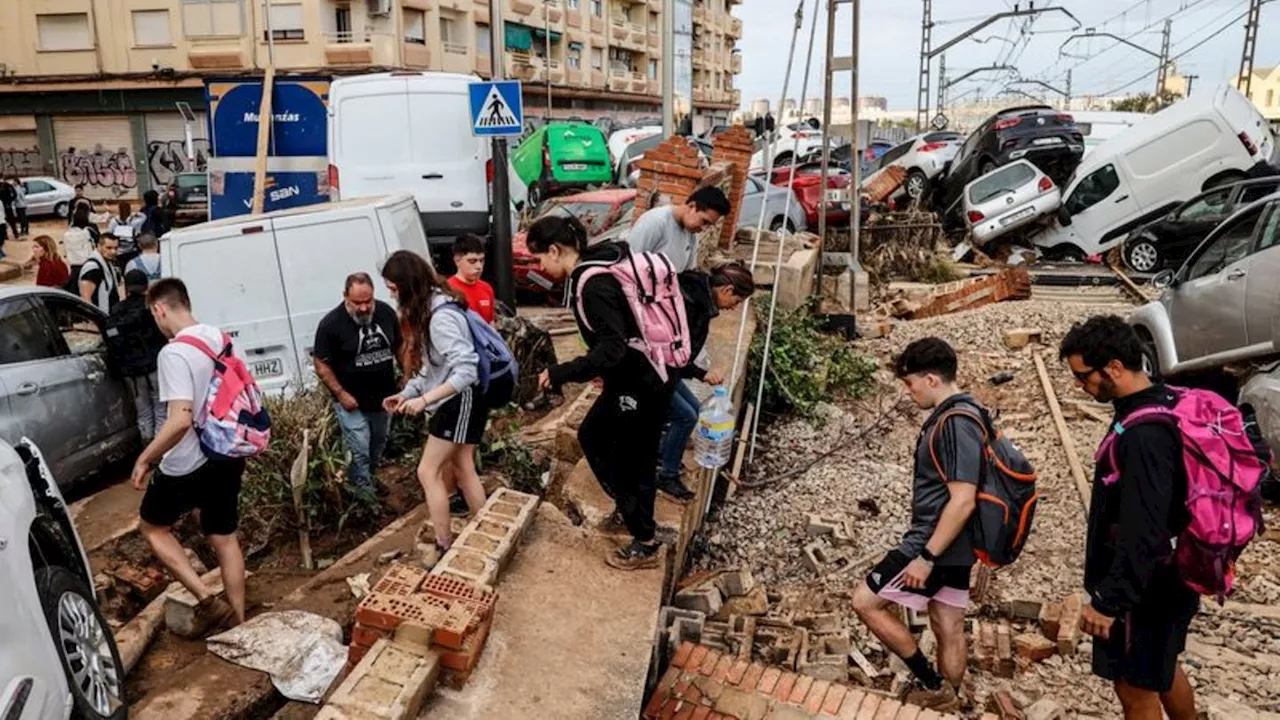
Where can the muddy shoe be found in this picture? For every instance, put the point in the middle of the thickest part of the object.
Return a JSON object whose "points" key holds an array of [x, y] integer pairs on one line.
{"points": [[614, 525], [671, 485], [216, 615], [635, 556], [458, 506], [430, 555], [944, 699]]}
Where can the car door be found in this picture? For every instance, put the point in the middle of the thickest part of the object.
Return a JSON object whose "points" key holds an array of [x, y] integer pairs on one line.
{"points": [[1181, 234], [895, 154], [1206, 308], [41, 382], [41, 197], [1097, 203], [1262, 292]]}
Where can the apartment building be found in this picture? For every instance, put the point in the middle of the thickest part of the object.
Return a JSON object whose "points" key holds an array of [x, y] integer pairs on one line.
{"points": [[89, 89]]}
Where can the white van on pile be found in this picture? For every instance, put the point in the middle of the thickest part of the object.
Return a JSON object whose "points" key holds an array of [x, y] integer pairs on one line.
{"points": [[410, 132], [1212, 139], [267, 280]]}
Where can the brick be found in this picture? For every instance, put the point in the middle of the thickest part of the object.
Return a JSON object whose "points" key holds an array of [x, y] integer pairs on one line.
{"points": [[386, 612], [834, 698], [1001, 704], [670, 708], [1044, 709], [392, 681], [1034, 647], [737, 672], [1069, 630], [769, 680], [709, 688], [1051, 620], [683, 654], [800, 690], [456, 625], [355, 654], [869, 707], [700, 653], [888, 710], [365, 636], [465, 658], [709, 663], [751, 679], [700, 713], [817, 694], [908, 712], [736, 583], [661, 692], [1018, 338], [1022, 610], [469, 565], [725, 664], [851, 704], [929, 715], [785, 685], [1005, 665], [400, 580], [482, 599], [735, 702], [684, 713]]}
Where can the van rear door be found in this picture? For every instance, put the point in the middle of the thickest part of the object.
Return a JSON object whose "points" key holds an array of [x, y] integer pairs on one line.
{"points": [[451, 186], [1243, 117], [234, 281], [370, 124]]}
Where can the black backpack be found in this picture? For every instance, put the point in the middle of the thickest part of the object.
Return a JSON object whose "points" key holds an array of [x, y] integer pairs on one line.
{"points": [[1007, 495], [133, 340]]}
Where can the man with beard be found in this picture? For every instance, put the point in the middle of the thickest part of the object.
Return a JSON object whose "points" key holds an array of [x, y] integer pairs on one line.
{"points": [[355, 357]]}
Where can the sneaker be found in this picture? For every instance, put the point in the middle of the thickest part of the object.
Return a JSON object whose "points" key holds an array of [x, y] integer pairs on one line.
{"points": [[614, 524], [458, 506], [944, 699], [430, 555], [635, 556], [671, 485], [216, 614]]}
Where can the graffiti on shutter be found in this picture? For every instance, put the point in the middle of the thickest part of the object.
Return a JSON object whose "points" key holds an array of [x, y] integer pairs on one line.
{"points": [[167, 147], [96, 153], [19, 154]]}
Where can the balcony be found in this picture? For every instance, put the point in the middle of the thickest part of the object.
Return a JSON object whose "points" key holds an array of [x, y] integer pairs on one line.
{"points": [[656, 5], [482, 65], [520, 67], [619, 80], [700, 15], [735, 63], [699, 59], [455, 57], [639, 36], [523, 7], [598, 79], [700, 95], [597, 25], [555, 69], [655, 39], [735, 96], [574, 18], [734, 30], [575, 77], [481, 13], [554, 12], [621, 31], [229, 57], [639, 83], [347, 48]]}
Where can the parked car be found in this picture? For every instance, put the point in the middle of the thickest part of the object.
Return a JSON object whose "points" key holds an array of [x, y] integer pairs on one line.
{"points": [[288, 272], [628, 174], [48, 196], [1220, 306], [560, 157], [1167, 242], [796, 141], [1259, 402], [55, 384], [58, 657], [1046, 137], [599, 211], [812, 195], [923, 156], [778, 213], [624, 137], [1213, 138], [1007, 199], [188, 196]]}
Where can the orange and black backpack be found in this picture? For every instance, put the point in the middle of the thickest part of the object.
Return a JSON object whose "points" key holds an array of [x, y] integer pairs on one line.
{"points": [[1007, 495]]}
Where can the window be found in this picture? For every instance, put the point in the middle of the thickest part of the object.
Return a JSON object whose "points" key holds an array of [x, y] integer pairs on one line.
{"points": [[572, 4], [1214, 203], [574, 57], [1256, 192], [24, 334], [213, 18], [1271, 96], [484, 43], [1229, 244], [342, 22], [597, 59], [448, 29], [80, 327], [285, 22], [151, 28], [64, 32], [1093, 189], [597, 8], [415, 26], [888, 158], [1270, 234], [653, 69], [653, 22], [1004, 180], [37, 186]]}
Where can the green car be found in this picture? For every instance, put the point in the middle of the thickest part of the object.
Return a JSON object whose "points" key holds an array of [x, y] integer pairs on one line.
{"points": [[562, 156]]}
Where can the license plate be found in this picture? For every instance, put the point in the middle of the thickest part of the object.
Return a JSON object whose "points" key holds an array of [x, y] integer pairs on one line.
{"points": [[574, 167], [1047, 141], [267, 368], [1022, 214], [196, 197], [837, 196]]}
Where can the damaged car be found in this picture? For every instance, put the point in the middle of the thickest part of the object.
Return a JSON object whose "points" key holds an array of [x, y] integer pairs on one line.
{"points": [[1008, 199]]}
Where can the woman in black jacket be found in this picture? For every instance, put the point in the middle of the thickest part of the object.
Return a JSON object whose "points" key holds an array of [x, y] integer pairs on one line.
{"points": [[620, 434]]}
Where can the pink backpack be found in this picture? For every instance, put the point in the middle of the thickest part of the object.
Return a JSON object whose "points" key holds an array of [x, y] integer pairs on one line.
{"points": [[652, 288], [233, 422], [1224, 473]]}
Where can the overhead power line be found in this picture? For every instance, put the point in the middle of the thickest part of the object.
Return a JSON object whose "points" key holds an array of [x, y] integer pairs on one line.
{"points": [[1180, 55]]}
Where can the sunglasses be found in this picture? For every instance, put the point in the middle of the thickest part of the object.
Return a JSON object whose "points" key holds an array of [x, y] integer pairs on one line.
{"points": [[1084, 375]]}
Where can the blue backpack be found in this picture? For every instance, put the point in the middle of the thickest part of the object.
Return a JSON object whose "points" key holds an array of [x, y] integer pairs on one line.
{"points": [[496, 361]]}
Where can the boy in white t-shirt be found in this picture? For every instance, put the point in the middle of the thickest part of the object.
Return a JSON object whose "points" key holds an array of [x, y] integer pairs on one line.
{"points": [[186, 478]]}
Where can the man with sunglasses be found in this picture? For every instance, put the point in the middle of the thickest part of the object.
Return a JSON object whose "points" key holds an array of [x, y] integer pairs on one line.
{"points": [[1140, 610]]}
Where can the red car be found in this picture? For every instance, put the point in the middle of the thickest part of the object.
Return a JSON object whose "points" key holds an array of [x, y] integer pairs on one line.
{"points": [[809, 191], [599, 211]]}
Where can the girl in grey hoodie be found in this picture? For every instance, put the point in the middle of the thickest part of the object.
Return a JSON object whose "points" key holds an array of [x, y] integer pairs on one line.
{"points": [[442, 370]]}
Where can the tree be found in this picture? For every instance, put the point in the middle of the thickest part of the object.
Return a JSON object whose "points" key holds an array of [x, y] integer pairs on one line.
{"points": [[1145, 102]]}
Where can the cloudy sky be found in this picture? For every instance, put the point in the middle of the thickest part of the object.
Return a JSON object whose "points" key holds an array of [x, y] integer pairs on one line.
{"points": [[891, 42]]}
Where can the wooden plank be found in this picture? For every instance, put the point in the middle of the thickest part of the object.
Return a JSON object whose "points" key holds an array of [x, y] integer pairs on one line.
{"points": [[1064, 433], [264, 134], [1129, 286]]}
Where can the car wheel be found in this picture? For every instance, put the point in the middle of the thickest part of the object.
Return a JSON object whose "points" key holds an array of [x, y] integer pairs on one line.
{"points": [[783, 159], [779, 224], [84, 643], [535, 196], [62, 209], [1150, 358], [1142, 255], [914, 184]]}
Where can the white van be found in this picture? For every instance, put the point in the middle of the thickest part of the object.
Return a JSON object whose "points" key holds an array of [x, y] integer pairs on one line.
{"points": [[1098, 127], [1212, 139], [267, 280], [410, 131]]}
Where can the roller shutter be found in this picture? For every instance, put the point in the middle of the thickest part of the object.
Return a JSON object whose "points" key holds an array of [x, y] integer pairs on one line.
{"points": [[19, 153], [98, 152], [166, 147]]}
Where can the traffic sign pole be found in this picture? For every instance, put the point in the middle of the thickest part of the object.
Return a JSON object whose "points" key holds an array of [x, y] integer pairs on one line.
{"points": [[503, 264]]}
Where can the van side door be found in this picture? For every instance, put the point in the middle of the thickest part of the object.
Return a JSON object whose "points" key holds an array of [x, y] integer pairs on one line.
{"points": [[1097, 204]]}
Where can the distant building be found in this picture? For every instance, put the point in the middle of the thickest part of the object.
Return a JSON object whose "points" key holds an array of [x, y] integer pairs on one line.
{"points": [[1264, 91], [813, 106], [840, 103], [759, 107], [873, 102]]}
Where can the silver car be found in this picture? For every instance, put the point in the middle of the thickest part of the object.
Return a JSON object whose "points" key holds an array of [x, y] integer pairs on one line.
{"points": [[48, 196], [777, 216], [1010, 197], [55, 388], [1223, 305]]}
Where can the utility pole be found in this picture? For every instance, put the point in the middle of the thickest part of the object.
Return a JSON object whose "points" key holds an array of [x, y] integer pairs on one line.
{"points": [[503, 268], [1190, 79], [942, 82], [855, 191], [926, 50], [669, 70], [1163, 75], [546, 16], [1069, 96], [1245, 81]]}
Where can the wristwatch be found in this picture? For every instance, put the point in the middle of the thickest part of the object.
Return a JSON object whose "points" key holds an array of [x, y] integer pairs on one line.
{"points": [[928, 557]]}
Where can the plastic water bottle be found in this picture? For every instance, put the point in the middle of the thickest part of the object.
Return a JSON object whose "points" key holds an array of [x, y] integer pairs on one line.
{"points": [[713, 438]]}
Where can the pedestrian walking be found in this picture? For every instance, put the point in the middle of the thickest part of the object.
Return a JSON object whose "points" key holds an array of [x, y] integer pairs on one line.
{"points": [[8, 196], [621, 431], [468, 258], [186, 479], [153, 215], [148, 259], [20, 208], [706, 295], [134, 342], [929, 570], [99, 278], [51, 269], [444, 380], [1140, 609], [354, 356], [673, 229], [79, 201], [125, 225]]}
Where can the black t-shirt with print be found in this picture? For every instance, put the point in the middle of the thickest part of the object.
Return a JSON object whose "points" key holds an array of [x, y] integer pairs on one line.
{"points": [[363, 357]]}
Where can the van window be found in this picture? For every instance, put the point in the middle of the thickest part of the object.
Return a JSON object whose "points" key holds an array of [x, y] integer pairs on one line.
{"points": [[1214, 203], [1231, 244], [1009, 177], [1093, 189], [1172, 148], [372, 129]]}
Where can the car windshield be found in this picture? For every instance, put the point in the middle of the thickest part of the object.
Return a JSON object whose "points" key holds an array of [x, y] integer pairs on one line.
{"points": [[592, 214], [186, 181], [1006, 179]]}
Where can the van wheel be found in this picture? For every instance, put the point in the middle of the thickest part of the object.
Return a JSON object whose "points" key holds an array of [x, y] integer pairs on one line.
{"points": [[1226, 178], [1142, 255], [84, 643]]}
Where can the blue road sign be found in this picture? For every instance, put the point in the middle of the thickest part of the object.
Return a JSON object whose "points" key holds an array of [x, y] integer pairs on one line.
{"points": [[497, 108]]}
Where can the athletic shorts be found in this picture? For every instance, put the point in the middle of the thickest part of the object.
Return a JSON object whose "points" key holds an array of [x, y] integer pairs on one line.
{"points": [[1145, 643], [947, 584], [461, 419], [213, 489]]}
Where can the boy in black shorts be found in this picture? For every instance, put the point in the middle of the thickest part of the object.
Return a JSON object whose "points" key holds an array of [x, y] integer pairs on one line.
{"points": [[929, 570], [1140, 609], [186, 479]]}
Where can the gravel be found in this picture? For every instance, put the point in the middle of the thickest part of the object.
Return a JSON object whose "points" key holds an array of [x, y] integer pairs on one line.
{"points": [[868, 483]]}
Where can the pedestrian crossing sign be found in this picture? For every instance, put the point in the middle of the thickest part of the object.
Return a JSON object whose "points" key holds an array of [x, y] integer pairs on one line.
{"points": [[497, 108]]}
